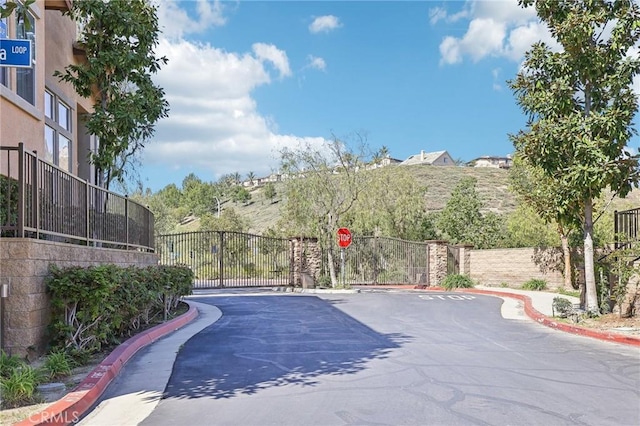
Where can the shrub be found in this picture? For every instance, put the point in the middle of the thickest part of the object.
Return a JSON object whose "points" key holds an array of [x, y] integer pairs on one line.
{"points": [[8, 363], [57, 364], [324, 281], [102, 304], [19, 386], [535, 284], [456, 281], [561, 307]]}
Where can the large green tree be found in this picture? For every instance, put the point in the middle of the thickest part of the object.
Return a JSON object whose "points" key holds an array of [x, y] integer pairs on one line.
{"points": [[322, 187], [580, 105], [462, 220], [392, 204], [119, 38]]}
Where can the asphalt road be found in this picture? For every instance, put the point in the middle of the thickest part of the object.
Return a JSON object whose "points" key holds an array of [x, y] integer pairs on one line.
{"points": [[393, 359]]}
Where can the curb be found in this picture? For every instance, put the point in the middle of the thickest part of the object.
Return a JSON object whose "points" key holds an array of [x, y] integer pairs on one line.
{"points": [[71, 407], [544, 320]]}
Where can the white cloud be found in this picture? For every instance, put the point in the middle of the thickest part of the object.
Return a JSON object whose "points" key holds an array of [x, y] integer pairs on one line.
{"points": [[214, 123], [496, 29], [324, 24], [316, 63], [269, 52], [496, 75], [175, 23], [450, 51], [439, 13]]}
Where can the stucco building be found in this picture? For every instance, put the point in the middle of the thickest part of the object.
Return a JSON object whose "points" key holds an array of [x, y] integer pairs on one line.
{"points": [[35, 107]]}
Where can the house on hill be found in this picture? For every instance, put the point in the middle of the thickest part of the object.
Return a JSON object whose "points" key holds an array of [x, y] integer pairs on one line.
{"points": [[492, 161], [438, 158]]}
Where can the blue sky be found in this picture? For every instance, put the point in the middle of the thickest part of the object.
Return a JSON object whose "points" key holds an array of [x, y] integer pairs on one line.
{"points": [[246, 79]]}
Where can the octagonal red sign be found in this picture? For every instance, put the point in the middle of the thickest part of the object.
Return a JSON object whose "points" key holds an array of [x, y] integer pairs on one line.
{"points": [[344, 237]]}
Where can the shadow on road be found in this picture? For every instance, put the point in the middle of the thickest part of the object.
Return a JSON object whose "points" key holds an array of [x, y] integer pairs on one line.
{"points": [[270, 341]]}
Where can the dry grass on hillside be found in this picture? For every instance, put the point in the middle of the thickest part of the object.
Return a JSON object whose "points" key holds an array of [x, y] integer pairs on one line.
{"points": [[492, 185]]}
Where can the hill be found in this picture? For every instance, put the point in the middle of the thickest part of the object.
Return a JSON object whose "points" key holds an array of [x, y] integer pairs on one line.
{"points": [[492, 186]]}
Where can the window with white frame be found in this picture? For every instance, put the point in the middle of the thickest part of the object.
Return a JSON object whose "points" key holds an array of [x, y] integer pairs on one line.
{"points": [[57, 131]]}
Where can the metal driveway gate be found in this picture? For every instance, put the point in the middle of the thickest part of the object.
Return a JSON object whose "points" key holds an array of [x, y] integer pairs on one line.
{"points": [[228, 259], [383, 260]]}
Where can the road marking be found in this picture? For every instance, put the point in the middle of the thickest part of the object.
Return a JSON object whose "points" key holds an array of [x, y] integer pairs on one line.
{"points": [[447, 297]]}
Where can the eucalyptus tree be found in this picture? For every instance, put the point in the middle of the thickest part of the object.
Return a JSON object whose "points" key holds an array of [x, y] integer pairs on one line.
{"points": [[119, 40], [580, 106], [392, 204], [323, 185]]}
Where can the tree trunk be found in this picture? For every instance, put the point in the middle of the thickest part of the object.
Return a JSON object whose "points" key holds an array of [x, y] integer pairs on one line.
{"points": [[589, 269], [332, 269], [566, 252]]}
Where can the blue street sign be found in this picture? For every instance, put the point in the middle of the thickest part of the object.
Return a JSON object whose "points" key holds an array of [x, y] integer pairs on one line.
{"points": [[15, 53]]}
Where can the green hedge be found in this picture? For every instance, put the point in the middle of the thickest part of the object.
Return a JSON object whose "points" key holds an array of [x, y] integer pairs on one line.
{"points": [[103, 304]]}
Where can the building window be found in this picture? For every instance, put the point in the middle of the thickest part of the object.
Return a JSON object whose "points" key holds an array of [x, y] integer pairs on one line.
{"points": [[57, 131], [26, 77]]}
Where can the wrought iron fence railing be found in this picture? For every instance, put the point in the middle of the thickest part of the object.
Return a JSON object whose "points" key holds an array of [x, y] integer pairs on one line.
{"points": [[228, 259], [41, 200], [626, 227], [385, 260]]}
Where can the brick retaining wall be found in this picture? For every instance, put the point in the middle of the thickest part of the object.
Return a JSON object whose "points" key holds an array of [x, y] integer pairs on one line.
{"points": [[511, 266], [24, 264]]}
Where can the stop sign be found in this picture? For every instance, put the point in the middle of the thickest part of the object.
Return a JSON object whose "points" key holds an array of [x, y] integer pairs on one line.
{"points": [[344, 237]]}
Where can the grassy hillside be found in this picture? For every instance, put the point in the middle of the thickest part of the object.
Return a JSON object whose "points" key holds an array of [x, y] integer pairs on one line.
{"points": [[492, 185]]}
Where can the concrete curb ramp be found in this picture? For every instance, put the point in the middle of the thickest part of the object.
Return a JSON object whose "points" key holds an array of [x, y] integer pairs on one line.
{"points": [[70, 408]]}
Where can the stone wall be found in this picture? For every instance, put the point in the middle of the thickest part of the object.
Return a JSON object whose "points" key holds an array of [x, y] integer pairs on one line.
{"points": [[510, 266], [24, 264]]}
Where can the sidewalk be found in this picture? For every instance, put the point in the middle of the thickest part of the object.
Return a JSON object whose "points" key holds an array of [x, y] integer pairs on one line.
{"points": [[142, 381]]}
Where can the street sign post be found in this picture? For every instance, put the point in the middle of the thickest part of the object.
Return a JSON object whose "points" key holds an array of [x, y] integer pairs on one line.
{"points": [[15, 53], [344, 241]]}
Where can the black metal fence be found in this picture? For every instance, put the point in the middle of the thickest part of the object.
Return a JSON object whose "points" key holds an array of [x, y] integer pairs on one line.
{"points": [[383, 260], [228, 259], [41, 200], [626, 227]]}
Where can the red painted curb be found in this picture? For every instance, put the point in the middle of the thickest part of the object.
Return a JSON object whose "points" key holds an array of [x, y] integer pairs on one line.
{"points": [[549, 322], [69, 409]]}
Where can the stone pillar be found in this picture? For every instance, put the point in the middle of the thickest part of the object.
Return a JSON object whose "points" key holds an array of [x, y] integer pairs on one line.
{"points": [[465, 258], [437, 261], [306, 261]]}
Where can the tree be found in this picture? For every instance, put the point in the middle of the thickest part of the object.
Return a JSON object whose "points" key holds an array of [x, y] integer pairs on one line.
{"points": [[270, 191], [526, 228], [384, 152], [118, 38], [323, 186], [20, 8], [251, 177], [463, 222], [240, 195], [580, 106], [540, 192], [392, 204]]}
